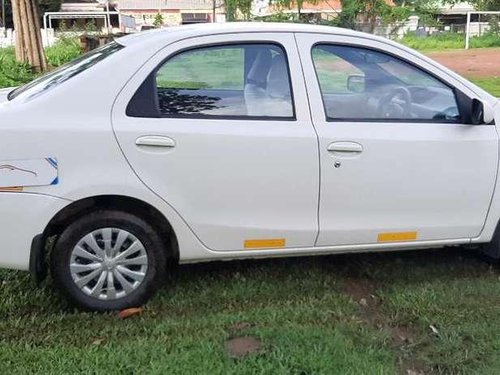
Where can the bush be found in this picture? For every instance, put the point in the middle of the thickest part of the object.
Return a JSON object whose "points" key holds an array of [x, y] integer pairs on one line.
{"points": [[65, 50], [485, 41], [449, 41], [13, 73]]}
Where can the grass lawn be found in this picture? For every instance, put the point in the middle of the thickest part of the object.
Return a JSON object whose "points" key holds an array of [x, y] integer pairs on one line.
{"points": [[447, 41], [491, 85], [351, 314]]}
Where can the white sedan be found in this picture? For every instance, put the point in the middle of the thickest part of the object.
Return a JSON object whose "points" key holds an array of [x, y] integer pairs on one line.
{"points": [[233, 141]]}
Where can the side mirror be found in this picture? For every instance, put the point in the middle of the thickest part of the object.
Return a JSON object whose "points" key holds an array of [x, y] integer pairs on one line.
{"points": [[482, 112], [488, 113], [356, 83]]}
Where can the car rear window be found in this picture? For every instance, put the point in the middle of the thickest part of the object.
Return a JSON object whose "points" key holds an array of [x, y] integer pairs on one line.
{"points": [[248, 80], [65, 72]]}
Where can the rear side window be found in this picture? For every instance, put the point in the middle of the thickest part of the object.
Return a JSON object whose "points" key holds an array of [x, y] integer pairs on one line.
{"points": [[65, 72], [249, 80]]}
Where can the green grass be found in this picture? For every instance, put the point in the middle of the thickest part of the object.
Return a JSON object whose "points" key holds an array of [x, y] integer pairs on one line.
{"points": [[449, 41], [213, 73], [11, 72], [492, 85], [305, 311]]}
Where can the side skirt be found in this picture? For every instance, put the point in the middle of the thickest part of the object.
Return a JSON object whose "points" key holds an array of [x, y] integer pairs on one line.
{"points": [[324, 250]]}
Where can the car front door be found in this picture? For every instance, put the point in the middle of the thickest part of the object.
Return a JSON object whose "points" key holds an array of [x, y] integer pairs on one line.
{"points": [[398, 164], [219, 127]]}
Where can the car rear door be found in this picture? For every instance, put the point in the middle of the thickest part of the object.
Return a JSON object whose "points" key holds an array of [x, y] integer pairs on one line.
{"points": [[387, 177], [229, 143]]}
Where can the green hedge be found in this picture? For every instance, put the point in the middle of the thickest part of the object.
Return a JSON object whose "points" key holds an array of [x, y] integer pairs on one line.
{"points": [[449, 41], [13, 73]]}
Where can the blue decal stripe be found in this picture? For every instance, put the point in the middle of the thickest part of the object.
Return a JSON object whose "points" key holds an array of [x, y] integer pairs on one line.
{"points": [[52, 162]]}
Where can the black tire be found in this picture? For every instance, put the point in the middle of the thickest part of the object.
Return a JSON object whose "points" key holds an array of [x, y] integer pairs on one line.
{"points": [[491, 251], [143, 231]]}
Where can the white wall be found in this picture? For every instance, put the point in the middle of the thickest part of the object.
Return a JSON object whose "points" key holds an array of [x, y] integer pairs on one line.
{"points": [[8, 37]]}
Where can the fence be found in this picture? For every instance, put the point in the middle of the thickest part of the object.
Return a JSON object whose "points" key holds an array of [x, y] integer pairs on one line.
{"points": [[8, 37]]}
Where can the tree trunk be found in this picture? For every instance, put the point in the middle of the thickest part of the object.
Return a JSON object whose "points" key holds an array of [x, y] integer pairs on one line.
{"points": [[29, 48]]}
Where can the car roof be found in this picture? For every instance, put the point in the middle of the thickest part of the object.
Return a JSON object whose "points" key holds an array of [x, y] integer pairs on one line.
{"points": [[186, 31]]}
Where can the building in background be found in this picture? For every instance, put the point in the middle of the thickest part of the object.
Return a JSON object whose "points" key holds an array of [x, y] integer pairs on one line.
{"points": [[174, 12], [323, 10], [453, 17], [82, 6]]}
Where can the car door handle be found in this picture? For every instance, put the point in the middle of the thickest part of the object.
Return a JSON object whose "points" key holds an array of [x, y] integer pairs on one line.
{"points": [[345, 148], [155, 141]]}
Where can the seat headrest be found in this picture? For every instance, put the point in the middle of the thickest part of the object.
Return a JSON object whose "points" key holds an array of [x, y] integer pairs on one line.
{"points": [[260, 67], [278, 85]]}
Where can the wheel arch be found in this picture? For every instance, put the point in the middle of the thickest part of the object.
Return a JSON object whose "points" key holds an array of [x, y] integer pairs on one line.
{"points": [[115, 202]]}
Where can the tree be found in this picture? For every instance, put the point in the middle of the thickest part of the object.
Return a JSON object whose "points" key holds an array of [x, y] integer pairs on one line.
{"points": [[49, 6], [235, 7], [158, 21], [45, 6], [298, 4], [29, 48], [487, 5], [369, 12]]}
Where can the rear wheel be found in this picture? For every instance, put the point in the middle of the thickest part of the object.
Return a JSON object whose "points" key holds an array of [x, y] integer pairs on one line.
{"points": [[108, 260]]}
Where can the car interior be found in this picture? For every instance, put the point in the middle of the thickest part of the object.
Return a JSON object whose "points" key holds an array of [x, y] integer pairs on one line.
{"points": [[379, 86], [264, 89], [356, 84]]}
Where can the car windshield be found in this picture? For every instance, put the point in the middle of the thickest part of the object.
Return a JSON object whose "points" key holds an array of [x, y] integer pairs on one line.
{"points": [[65, 72]]}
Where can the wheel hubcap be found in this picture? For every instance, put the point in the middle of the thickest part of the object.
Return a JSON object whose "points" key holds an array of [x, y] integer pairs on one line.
{"points": [[108, 263]]}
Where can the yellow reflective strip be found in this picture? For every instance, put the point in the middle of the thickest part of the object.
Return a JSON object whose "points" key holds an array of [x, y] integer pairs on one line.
{"points": [[259, 244], [14, 188], [397, 236]]}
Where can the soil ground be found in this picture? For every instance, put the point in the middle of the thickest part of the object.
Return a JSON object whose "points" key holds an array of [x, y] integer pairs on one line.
{"points": [[484, 62]]}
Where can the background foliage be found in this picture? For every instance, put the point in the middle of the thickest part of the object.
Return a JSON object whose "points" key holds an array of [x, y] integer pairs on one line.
{"points": [[13, 73], [45, 6]]}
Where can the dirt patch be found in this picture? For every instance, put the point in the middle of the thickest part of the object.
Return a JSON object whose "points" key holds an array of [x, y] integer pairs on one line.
{"points": [[480, 62], [240, 347], [402, 335], [363, 291], [359, 289]]}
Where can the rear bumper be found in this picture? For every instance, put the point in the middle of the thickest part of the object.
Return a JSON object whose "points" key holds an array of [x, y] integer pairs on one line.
{"points": [[23, 216]]}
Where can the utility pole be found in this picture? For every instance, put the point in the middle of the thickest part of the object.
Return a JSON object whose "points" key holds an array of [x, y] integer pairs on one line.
{"points": [[214, 6], [108, 17], [107, 20], [3, 16]]}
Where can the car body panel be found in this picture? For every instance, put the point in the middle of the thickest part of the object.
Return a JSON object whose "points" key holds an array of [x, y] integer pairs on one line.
{"points": [[23, 217], [435, 179], [4, 93], [232, 180], [72, 122]]}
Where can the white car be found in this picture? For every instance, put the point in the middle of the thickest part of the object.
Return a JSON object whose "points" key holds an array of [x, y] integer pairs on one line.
{"points": [[233, 141]]}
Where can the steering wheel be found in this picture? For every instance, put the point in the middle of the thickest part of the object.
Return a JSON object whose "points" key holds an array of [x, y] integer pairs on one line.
{"points": [[450, 113], [395, 105]]}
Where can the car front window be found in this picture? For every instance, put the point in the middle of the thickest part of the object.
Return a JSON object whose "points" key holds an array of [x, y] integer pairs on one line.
{"points": [[365, 85], [65, 72]]}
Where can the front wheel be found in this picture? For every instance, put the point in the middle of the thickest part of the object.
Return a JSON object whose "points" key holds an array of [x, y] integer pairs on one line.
{"points": [[108, 260]]}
